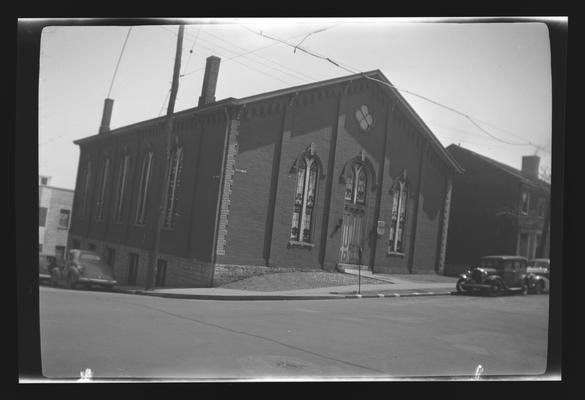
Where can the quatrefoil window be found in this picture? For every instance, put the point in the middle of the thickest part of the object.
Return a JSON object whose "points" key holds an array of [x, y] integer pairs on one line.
{"points": [[364, 118]]}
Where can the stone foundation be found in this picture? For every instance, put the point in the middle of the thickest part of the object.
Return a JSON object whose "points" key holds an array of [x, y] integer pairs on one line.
{"points": [[226, 273]]}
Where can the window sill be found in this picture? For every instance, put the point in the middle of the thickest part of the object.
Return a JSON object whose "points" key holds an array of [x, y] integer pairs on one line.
{"points": [[394, 254], [63, 228], [294, 243]]}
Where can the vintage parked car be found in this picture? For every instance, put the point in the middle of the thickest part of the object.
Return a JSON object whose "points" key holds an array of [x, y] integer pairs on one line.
{"points": [[84, 268], [539, 275], [496, 275], [44, 262]]}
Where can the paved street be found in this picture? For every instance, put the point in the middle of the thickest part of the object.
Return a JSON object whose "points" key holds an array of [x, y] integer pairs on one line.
{"points": [[121, 335]]}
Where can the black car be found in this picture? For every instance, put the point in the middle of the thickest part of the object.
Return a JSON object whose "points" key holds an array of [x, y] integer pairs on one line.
{"points": [[84, 268], [496, 275]]}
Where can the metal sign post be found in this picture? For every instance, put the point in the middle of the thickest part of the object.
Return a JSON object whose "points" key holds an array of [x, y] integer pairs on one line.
{"points": [[359, 269]]}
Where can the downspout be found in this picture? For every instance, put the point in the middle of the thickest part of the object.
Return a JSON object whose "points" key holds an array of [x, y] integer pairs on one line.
{"points": [[329, 178], [417, 206], [374, 233]]}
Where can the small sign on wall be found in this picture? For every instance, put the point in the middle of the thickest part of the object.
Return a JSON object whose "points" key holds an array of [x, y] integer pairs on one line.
{"points": [[381, 228]]}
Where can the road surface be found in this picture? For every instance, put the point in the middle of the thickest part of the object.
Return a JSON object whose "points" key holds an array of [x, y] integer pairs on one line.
{"points": [[124, 336]]}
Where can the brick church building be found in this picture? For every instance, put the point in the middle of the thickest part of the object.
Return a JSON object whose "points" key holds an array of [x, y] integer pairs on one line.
{"points": [[326, 175]]}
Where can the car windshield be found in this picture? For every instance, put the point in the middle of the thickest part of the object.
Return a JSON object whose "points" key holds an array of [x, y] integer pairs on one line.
{"points": [[90, 257], [490, 263], [538, 264]]}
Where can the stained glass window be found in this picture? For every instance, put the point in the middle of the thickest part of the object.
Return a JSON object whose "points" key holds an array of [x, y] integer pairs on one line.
{"points": [[360, 196], [398, 218], [356, 184], [364, 117], [86, 186], [349, 185], [102, 192], [143, 188], [174, 174], [305, 196], [121, 188]]}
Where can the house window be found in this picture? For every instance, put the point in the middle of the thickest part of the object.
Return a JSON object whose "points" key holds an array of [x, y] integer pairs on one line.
{"points": [[523, 244], [356, 182], [64, 218], [541, 206], [305, 195], [44, 180], [60, 252], [176, 161], [42, 216], [91, 246], [86, 186], [132, 268], [525, 202], [111, 256], [398, 217], [102, 190], [161, 272], [143, 188], [121, 188]]}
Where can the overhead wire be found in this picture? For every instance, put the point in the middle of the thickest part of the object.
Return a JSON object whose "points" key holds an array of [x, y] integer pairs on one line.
{"points": [[356, 71], [118, 63], [245, 65]]}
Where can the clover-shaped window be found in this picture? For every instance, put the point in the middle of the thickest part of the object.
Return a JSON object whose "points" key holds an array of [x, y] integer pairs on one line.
{"points": [[364, 118]]}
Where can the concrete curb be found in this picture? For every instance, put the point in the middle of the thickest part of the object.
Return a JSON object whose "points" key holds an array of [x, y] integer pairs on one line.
{"points": [[332, 296]]}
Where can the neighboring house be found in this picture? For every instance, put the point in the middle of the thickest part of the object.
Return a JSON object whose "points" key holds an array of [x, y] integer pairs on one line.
{"points": [[496, 209], [54, 217], [296, 178]]}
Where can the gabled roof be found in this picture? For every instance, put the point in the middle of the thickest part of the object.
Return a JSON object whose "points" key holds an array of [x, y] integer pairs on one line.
{"points": [[515, 173], [385, 85]]}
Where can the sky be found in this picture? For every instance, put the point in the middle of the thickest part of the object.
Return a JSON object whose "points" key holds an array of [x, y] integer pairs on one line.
{"points": [[497, 74]]}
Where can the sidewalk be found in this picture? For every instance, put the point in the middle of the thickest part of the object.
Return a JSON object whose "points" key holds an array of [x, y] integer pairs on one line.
{"points": [[395, 287]]}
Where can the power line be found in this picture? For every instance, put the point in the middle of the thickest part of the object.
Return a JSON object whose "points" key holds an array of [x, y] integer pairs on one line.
{"points": [[232, 58], [252, 60], [243, 54], [356, 71], [300, 74], [119, 59]]}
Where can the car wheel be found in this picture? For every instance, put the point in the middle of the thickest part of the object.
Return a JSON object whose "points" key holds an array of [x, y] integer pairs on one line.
{"points": [[459, 287], [495, 289], [524, 288]]}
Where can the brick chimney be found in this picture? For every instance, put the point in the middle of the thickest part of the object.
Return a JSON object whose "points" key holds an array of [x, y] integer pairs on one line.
{"points": [[530, 166], [209, 81], [106, 116]]}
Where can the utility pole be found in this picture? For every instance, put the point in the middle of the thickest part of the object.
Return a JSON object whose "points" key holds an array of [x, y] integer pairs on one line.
{"points": [[168, 128]]}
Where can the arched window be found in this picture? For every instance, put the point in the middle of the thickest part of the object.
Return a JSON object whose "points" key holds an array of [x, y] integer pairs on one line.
{"points": [[176, 161], [102, 190], [121, 187], [143, 188], [356, 182], [305, 196], [398, 217], [86, 186]]}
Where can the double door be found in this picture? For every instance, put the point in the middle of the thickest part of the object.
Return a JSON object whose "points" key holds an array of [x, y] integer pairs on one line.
{"points": [[352, 235]]}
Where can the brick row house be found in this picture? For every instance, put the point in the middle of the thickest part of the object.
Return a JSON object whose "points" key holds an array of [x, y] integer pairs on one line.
{"points": [[496, 209], [328, 175]]}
